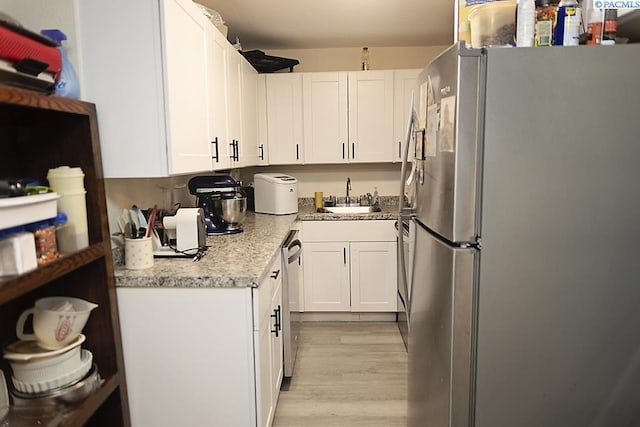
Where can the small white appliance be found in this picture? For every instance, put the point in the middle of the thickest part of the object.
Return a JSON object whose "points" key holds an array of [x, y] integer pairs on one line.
{"points": [[187, 230], [275, 193]]}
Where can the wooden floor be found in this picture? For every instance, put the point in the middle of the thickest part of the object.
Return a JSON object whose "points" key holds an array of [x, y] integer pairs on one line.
{"points": [[346, 374]]}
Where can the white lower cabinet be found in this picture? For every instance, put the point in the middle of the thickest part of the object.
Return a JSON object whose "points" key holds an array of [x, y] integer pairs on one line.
{"points": [[373, 276], [350, 266], [326, 276], [277, 354], [203, 356]]}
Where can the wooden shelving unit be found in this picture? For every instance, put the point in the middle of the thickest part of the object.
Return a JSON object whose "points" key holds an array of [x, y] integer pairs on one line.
{"points": [[37, 133]]}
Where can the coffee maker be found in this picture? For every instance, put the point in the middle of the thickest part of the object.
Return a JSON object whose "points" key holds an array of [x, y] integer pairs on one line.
{"points": [[222, 201]]}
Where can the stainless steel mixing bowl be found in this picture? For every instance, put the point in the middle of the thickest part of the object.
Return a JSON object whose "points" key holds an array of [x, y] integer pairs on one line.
{"points": [[234, 211]]}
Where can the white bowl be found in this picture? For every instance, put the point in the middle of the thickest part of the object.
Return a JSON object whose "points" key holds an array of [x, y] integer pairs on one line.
{"points": [[61, 381], [63, 396], [47, 369]]}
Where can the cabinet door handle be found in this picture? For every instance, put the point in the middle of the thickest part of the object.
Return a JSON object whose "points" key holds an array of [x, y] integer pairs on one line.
{"points": [[237, 151], [232, 144], [277, 327], [343, 150], [353, 150], [344, 255], [279, 319], [215, 142], [297, 152], [399, 149], [261, 155], [275, 274]]}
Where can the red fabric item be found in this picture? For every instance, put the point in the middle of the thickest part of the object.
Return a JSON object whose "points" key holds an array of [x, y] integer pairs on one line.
{"points": [[15, 47]]}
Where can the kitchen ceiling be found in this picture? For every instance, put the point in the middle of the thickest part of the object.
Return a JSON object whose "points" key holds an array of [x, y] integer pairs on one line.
{"points": [[306, 24]]}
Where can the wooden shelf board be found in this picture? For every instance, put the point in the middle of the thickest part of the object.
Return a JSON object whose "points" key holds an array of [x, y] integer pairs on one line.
{"points": [[16, 286], [80, 415]]}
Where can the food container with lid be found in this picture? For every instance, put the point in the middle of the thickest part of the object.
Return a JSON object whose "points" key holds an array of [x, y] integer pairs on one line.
{"points": [[493, 24], [16, 211]]}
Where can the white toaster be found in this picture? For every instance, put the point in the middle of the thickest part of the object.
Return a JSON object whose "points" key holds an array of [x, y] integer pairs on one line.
{"points": [[275, 193]]}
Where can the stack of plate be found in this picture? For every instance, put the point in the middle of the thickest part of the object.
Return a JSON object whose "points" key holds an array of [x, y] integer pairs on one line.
{"points": [[37, 371]]}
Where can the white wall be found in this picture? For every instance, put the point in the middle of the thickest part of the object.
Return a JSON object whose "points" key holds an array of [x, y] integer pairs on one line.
{"points": [[348, 59], [331, 179]]}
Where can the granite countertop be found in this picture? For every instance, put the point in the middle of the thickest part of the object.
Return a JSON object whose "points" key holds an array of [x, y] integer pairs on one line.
{"points": [[236, 260], [388, 205]]}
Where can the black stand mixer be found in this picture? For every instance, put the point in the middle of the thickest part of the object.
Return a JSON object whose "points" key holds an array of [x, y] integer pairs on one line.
{"points": [[223, 203]]}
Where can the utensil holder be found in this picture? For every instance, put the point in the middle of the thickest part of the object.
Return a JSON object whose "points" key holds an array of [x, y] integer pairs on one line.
{"points": [[138, 253]]}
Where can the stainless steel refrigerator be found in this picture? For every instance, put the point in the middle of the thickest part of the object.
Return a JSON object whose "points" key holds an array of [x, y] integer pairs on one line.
{"points": [[524, 307]]}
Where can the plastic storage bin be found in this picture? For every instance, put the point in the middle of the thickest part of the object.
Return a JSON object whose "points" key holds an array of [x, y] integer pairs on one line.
{"points": [[22, 210], [493, 24]]}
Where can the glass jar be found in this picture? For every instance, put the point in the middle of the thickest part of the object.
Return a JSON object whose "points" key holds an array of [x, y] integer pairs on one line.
{"points": [[44, 233], [545, 18]]}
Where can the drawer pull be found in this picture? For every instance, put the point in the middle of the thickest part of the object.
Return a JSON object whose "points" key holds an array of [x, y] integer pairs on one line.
{"points": [[277, 327], [275, 274]]}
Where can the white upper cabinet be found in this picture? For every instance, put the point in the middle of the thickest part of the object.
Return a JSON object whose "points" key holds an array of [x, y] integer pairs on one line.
{"points": [[234, 107], [263, 146], [371, 116], [405, 81], [348, 117], [325, 117], [186, 84], [248, 147], [217, 71], [150, 91], [284, 118]]}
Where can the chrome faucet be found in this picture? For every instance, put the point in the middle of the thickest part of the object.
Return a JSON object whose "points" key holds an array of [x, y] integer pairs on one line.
{"points": [[347, 199]]}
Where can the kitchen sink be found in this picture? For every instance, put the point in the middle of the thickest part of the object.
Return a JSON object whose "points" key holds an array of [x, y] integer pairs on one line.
{"points": [[349, 209]]}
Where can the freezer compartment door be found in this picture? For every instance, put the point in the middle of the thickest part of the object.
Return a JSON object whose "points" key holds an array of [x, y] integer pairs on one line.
{"points": [[440, 335], [446, 177]]}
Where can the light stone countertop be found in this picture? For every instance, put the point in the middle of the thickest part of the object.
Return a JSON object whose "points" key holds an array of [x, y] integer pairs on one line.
{"points": [[235, 260]]}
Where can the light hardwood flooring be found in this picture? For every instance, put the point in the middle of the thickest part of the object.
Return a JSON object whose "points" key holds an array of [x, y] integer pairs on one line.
{"points": [[346, 374]]}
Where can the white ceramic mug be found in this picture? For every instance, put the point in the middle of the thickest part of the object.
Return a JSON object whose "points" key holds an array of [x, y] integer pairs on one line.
{"points": [[138, 253], [57, 321]]}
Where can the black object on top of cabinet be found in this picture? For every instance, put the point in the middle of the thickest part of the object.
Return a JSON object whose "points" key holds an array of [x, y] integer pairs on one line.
{"points": [[40, 132], [264, 63]]}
